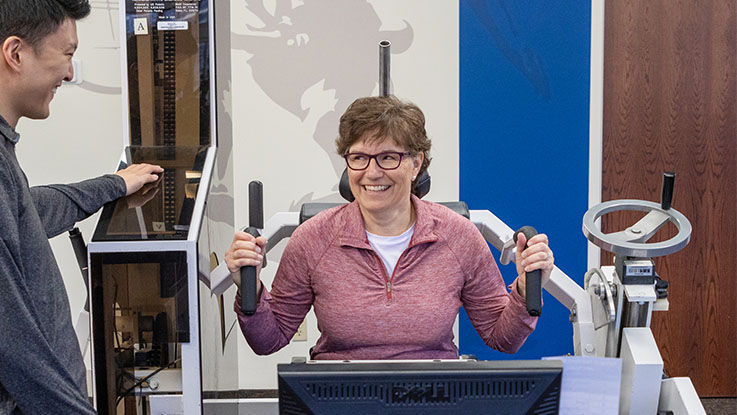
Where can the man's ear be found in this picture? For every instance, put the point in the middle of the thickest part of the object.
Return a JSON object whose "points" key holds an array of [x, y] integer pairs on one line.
{"points": [[12, 50]]}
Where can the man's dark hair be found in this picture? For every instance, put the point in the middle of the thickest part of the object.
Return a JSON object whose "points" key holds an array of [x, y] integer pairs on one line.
{"points": [[33, 20]]}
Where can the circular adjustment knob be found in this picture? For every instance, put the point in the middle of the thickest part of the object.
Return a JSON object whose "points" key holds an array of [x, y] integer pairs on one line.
{"points": [[623, 243]]}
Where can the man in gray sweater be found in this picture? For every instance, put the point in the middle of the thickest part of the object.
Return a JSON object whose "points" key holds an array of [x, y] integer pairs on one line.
{"points": [[41, 366]]}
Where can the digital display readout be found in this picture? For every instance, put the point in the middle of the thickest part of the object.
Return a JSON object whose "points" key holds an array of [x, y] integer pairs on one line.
{"points": [[638, 270]]}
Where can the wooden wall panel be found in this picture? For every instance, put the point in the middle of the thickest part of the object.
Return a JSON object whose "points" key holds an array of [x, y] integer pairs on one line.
{"points": [[669, 104]]}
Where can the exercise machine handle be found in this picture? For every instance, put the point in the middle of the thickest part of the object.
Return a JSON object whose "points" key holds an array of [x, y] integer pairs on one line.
{"points": [[666, 198], [249, 276], [533, 279], [80, 251]]}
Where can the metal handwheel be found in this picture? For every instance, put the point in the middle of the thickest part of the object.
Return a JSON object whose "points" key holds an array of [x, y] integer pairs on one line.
{"points": [[632, 241]]}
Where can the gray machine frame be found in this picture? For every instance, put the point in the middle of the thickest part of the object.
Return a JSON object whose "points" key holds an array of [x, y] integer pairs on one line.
{"points": [[597, 325]]}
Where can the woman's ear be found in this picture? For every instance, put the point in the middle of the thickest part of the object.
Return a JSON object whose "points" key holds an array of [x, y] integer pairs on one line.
{"points": [[417, 160]]}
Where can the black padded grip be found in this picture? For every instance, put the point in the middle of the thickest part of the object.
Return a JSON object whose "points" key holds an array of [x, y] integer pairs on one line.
{"points": [[249, 276], [256, 204], [422, 185], [308, 210], [249, 282], [666, 198], [533, 279], [459, 207], [344, 187]]}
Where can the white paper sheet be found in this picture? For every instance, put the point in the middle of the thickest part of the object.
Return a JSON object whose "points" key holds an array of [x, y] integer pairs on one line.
{"points": [[590, 385]]}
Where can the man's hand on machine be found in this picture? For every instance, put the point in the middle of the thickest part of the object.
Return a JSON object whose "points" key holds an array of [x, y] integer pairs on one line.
{"points": [[537, 255], [245, 251], [137, 175], [144, 194]]}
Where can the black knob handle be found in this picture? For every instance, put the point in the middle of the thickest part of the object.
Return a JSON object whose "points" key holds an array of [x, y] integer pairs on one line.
{"points": [[666, 198], [533, 279]]}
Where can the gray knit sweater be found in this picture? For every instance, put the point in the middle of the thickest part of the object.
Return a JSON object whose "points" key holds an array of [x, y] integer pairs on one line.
{"points": [[41, 367]]}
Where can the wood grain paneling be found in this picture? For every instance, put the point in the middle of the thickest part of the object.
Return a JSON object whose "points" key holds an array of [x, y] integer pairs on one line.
{"points": [[670, 104]]}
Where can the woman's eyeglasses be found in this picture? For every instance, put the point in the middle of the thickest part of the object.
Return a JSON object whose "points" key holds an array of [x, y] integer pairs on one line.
{"points": [[387, 160]]}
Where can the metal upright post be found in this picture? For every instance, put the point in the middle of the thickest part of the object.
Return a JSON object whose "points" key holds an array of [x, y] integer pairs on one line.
{"points": [[384, 68]]}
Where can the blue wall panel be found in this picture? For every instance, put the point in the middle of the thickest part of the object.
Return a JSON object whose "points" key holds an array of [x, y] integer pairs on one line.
{"points": [[524, 140]]}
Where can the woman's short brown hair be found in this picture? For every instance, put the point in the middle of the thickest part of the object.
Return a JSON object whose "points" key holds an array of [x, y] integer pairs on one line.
{"points": [[385, 117]]}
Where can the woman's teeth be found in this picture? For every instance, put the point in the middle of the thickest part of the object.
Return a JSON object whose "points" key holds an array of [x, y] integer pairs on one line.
{"points": [[376, 188]]}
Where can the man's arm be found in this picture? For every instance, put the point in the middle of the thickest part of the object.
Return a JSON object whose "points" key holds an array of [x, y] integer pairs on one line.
{"points": [[60, 206], [30, 371]]}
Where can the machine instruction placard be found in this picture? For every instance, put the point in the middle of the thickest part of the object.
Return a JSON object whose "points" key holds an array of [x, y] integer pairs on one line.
{"points": [[166, 74], [164, 9]]}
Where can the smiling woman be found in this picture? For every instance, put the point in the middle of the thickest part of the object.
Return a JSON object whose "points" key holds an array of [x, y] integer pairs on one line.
{"points": [[392, 134], [387, 273]]}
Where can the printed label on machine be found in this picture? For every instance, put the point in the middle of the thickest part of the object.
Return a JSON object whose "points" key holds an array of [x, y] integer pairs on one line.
{"points": [[172, 25], [140, 26]]}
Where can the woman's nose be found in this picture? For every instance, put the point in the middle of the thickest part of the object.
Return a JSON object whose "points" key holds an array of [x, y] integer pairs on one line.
{"points": [[373, 168]]}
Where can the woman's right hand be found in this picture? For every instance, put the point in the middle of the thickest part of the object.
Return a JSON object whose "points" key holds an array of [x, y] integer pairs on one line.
{"points": [[246, 250]]}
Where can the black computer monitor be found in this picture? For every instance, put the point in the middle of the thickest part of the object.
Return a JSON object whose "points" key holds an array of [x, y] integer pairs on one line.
{"points": [[420, 387]]}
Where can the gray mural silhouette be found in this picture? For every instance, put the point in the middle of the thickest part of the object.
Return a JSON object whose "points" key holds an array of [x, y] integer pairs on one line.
{"points": [[328, 44]]}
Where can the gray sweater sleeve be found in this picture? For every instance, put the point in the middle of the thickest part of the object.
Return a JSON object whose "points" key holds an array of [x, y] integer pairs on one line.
{"points": [[33, 369], [60, 206], [29, 367]]}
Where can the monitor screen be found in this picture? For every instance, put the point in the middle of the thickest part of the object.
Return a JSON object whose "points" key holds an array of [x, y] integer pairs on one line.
{"points": [[420, 387]]}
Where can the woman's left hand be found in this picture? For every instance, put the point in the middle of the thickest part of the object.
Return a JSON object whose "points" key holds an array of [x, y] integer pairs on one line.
{"points": [[537, 255]]}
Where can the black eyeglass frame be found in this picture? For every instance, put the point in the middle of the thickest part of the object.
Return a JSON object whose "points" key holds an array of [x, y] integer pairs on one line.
{"points": [[401, 155]]}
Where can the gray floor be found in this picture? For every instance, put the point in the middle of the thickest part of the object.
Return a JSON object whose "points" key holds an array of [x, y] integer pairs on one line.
{"points": [[720, 406]]}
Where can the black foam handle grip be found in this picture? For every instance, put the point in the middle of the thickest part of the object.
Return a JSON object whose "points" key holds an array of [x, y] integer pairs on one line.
{"points": [[666, 198], [256, 204], [249, 276], [249, 282], [533, 279]]}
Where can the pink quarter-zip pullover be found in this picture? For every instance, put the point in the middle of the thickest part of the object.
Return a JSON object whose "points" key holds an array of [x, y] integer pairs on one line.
{"points": [[363, 313]]}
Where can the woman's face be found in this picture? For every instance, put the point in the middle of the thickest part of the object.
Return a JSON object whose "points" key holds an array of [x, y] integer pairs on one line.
{"points": [[379, 191]]}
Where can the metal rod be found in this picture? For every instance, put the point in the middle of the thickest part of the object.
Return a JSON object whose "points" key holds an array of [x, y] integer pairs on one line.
{"points": [[384, 68]]}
